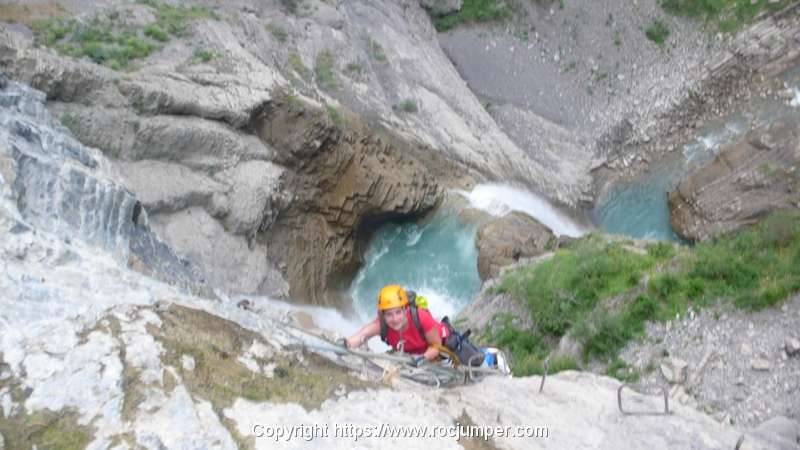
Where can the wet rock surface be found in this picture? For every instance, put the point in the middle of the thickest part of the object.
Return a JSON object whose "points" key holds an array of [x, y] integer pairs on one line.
{"points": [[346, 182], [744, 182], [505, 240], [71, 190]]}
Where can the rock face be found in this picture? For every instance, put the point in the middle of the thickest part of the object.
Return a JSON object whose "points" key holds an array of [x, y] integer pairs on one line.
{"points": [[737, 368], [674, 370], [505, 240], [65, 188], [346, 181], [149, 364], [745, 181]]}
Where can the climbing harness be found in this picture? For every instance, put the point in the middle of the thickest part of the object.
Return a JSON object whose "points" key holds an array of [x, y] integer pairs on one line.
{"points": [[447, 373]]}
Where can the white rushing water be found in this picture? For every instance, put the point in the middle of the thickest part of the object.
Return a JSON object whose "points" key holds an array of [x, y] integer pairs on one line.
{"points": [[499, 200]]}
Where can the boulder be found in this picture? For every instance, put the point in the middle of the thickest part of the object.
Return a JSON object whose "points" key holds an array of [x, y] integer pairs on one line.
{"points": [[792, 346], [760, 364], [505, 240], [745, 181], [674, 370]]}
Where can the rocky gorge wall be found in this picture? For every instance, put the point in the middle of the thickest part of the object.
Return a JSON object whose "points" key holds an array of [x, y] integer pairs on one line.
{"points": [[185, 135]]}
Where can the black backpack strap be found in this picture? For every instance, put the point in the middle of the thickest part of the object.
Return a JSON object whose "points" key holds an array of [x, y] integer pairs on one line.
{"points": [[415, 319]]}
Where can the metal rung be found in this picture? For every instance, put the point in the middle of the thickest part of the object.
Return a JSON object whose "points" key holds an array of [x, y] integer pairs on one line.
{"points": [[544, 375]]}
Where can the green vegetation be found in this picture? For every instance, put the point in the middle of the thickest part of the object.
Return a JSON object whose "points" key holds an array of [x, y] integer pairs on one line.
{"points": [[354, 68], [291, 6], [298, 66], [40, 429], [279, 33], [105, 40], [563, 289], [728, 15], [155, 32], [593, 290], [323, 70], [755, 268], [70, 121], [408, 106], [176, 19], [621, 371], [375, 51], [204, 55], [215, 344], [100, 41], [473, 11], [334, 115], [657, 32]]}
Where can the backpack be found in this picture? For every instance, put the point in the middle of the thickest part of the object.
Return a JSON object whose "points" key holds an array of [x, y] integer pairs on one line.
{"points": [[456, 344]]}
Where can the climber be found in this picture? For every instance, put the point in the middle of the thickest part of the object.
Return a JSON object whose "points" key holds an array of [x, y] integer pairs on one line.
{"points": [[404, 323]]}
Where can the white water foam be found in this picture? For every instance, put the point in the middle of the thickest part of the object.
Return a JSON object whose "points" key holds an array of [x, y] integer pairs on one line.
{"points": [[796, 100], [499, 200]]}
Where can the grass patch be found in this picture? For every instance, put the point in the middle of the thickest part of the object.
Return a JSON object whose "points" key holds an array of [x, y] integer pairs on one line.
{"points": [[203, 55], [297, 65], [657, 32], [323, 70], [620, 370], [727, 15], [100, 41], [334, 115], [40, 429], [756, 268], [604, 336], [278, 32], [473, 11], [108, 42], [592, 290], [176, 19], [218, 376], [70, 121], [154, 31], [408, 106], [354, 68], [564, 288], [375, 51]]}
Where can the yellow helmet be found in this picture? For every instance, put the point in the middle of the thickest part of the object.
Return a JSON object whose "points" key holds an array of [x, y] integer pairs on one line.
{"points": [[392, 296]]}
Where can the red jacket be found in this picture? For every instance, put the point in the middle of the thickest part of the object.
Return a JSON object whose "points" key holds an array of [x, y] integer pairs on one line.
{"points": [[412, 341]]}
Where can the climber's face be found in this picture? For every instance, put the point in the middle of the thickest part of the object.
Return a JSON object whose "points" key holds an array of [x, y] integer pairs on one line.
{"points": [[395, 318]]}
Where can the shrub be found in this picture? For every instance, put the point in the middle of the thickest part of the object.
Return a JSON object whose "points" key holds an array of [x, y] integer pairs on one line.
{"points": [[204, 55], [323, 69], [408, 106], [473, 11], [375, 50], [657, 32], [297, 65], [278, 32], [154, 31]]}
